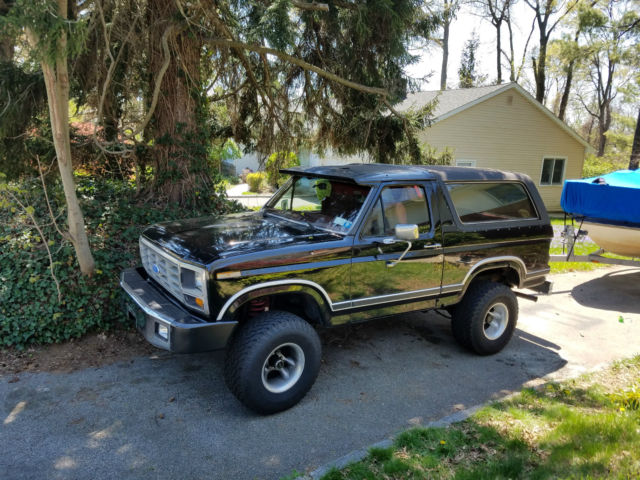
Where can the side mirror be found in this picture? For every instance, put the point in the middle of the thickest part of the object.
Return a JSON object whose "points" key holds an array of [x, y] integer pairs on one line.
{"points": [[407, 232]]}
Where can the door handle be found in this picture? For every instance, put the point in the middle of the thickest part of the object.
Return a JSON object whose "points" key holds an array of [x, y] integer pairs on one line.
{"points": [[432, 246]]}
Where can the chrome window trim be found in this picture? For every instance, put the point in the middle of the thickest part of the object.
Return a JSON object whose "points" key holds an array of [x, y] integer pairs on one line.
{"points": [[188, 265]]}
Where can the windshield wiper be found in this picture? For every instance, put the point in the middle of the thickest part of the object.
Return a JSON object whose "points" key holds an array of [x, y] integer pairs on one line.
{"points": [[295, 221]]}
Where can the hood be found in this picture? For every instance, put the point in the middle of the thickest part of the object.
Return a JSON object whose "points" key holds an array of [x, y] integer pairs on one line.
{"points": [[206, 239]]}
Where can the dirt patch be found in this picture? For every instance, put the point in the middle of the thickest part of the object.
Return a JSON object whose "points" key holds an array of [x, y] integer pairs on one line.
{"points": [[93, 350]]}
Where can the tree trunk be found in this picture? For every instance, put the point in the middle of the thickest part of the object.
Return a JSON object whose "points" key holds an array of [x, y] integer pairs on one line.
{"points": [[178, 156], [539, 70], [604, 122], [567, 89], [7, 42], [445, 51], [634, 161], [512, 64], [56, 79], [498, 52]]}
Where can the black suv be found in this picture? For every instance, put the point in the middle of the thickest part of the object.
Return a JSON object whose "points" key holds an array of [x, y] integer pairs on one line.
{"points": [[340, 244]]}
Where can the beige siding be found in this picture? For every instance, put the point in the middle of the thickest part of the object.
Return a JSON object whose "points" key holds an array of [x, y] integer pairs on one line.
{"points": [[508, 133]]}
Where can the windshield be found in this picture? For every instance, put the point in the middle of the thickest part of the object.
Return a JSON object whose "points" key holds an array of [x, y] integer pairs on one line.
{"points": [[322, 203]]}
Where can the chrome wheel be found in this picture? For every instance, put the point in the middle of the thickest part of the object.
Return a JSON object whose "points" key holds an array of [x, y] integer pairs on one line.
{"points": [[283, 368], [496, 321]]}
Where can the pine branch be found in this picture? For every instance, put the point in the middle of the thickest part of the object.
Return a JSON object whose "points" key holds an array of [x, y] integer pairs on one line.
{"points": [[222, 42]]}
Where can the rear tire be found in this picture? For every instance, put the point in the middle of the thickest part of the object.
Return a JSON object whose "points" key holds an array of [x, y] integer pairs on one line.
{"points": [[485, 319], [272, 361]]}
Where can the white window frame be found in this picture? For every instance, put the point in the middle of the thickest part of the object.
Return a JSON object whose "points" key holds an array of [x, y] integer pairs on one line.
{"points": [[564, 169], [469, 163]]}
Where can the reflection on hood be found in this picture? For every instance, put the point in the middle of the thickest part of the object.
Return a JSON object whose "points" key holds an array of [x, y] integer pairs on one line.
{"points": [[203, 240]]}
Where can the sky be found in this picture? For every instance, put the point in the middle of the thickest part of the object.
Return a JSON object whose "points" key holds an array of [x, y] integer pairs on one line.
{"points": [[460, 32]]}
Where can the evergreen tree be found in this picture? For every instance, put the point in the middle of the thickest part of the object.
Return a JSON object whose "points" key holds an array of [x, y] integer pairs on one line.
{"points": [[467, 74]]}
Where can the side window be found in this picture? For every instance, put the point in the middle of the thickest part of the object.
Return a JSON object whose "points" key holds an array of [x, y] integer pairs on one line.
{"points": [[490, 202], [402, 204], [552, 171]]}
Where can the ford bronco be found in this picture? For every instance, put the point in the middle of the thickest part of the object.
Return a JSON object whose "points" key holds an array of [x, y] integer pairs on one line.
{"points": [[340, 244]]}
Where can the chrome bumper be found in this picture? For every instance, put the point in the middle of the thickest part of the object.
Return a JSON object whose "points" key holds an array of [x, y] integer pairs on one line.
{"points": [[165, 324]]}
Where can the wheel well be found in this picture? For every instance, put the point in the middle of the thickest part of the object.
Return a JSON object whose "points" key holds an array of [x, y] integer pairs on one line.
{"points": [[299, 303], [506, 275]]}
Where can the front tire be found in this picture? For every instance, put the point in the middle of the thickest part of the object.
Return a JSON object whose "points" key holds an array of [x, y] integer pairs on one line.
{"points": [[485, 319], [272, 361]]}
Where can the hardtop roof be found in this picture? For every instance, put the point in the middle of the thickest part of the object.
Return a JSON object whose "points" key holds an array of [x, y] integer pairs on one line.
{"points": [[370, 173]]}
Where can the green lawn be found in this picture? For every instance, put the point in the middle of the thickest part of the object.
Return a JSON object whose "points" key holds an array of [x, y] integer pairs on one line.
{"points": [[584, 428], [580, 248]]}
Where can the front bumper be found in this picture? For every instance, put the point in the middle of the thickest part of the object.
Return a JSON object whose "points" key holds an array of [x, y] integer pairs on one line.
{"points": [[165, 324]]}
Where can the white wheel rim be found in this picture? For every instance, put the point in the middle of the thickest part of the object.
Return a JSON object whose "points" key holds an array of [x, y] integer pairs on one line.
{"points": [[496, 321], [283, 367]]}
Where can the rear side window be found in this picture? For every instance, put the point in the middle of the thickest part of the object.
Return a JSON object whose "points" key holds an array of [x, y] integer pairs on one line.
{"points": [[490, 202]]}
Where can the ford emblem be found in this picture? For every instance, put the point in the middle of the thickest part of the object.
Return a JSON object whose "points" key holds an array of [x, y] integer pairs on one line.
{"points": [[155, 268]]}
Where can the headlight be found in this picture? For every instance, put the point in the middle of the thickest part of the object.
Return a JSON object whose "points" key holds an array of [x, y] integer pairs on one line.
{"points": [[193, 286], [191, 280]]}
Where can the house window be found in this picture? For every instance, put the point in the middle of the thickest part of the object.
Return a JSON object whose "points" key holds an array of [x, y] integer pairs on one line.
{"points": [[465, 163], [552, 171]]}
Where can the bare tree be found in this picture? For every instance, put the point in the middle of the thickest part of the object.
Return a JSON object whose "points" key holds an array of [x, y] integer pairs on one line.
{"points": [[449, 10], [548, 14], [611, 46], [498, 12]]}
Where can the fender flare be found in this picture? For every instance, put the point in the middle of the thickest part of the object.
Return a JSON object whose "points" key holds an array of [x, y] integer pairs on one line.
{"points": [[298, 286], [494, 263]]}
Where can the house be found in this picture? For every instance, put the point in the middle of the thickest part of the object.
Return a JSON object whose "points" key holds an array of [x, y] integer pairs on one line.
{"points": [[504, 127], [499, 126]]}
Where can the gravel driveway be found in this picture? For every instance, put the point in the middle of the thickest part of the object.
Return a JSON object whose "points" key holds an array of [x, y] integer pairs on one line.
{"points": [[170, 416]]}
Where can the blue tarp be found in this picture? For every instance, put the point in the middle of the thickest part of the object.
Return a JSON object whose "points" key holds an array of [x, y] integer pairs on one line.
{"points": [[614, 197]]}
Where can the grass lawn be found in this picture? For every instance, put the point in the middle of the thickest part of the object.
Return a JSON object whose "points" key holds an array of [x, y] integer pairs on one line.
{"points": [[580, 248], [584, 428]]}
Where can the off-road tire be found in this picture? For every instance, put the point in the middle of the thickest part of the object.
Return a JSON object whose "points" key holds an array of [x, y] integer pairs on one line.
{"points": [[258, 340], [483, 300]]}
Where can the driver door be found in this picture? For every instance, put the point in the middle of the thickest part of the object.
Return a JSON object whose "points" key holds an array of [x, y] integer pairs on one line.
{"points": [[378, 286]]}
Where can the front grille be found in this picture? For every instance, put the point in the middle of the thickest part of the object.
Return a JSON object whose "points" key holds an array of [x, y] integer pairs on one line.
{"points": [[162, 268]]}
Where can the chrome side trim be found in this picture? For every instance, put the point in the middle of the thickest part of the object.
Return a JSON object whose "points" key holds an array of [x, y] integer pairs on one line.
{"points": [[275, 283], [394, 297], [468, 246], [538, 273], [453, 288]]}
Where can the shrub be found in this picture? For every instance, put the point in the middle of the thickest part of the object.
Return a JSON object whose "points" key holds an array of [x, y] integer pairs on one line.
{"points": [[257, 182], [30, 312], [594, 166], [279, 160]]}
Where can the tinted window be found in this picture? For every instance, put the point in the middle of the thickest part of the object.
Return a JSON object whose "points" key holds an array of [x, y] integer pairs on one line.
{"points": [[403, 204], [488, 202]]}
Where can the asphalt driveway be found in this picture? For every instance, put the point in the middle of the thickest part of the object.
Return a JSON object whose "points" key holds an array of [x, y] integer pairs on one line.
{"points": [[171, 416]]}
